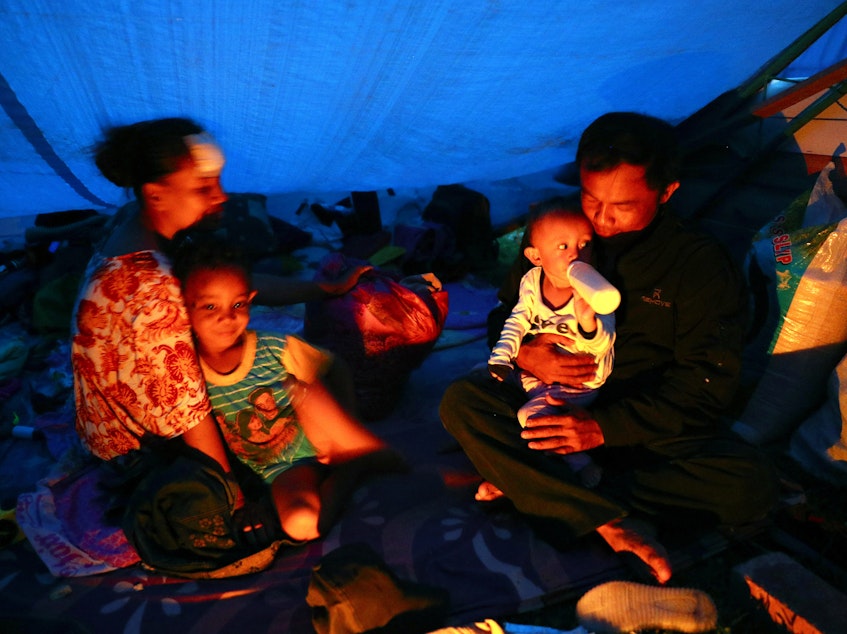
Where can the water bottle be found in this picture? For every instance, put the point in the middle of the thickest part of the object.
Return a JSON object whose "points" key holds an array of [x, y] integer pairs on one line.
{"points": [[593, 288]]}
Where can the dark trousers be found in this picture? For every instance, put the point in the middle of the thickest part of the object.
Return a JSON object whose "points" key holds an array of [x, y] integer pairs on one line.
{"points": [[716, 476]]}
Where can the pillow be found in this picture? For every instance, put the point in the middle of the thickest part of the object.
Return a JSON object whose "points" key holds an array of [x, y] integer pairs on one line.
{"points": [[820, 443]]}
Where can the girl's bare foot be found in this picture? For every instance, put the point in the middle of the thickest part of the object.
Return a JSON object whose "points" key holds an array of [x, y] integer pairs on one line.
{"points": [[627, 535], [487, 492]]}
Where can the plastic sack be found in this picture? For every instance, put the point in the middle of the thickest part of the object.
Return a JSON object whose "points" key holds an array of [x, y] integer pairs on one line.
{"points": [[384, 328], [798, 276], [64, 521], [820, 443]]}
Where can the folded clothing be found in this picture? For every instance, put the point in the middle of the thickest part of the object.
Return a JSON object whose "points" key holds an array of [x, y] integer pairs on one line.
{"points": [[352, 591]]}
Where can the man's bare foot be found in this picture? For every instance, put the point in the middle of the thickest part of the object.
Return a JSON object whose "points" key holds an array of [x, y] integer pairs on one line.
{"points": [[487, 492], [627, 535]]}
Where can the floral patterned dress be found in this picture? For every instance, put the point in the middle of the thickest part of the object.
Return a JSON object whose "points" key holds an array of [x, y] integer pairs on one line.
{"points": [[135, 369]]}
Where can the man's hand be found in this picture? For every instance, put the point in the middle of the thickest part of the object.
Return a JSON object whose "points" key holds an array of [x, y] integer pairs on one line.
{"points": [[563, 433], [543, 358]]}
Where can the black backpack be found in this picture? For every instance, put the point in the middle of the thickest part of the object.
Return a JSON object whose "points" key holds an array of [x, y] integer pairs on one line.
{"points": [[461, 218]]}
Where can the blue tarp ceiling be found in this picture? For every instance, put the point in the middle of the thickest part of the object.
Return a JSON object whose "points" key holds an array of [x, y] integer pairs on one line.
{"points": [[358, 95]]}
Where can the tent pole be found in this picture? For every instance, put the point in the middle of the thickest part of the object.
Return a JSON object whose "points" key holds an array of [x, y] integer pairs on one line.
{"points": [[732, 106], [780, 61], [835, 92]]}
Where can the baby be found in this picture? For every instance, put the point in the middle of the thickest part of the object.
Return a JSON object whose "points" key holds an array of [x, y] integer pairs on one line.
{"points": [[559, 234]]}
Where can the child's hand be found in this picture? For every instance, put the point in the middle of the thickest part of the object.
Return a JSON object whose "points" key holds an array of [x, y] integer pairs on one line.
{"points": [[585, 315], [341, 286], [256, 523], [499, 371]]}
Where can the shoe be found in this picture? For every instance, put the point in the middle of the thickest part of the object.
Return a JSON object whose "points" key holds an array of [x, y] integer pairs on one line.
{"points": [[623, 606]]}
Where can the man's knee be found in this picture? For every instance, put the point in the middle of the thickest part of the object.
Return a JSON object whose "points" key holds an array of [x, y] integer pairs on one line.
{"points": [[453, 403], [759, 492], [744, 487]]}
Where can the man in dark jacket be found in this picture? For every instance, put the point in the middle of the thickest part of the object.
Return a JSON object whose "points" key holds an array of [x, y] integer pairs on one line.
{"points": [[657, 426]]}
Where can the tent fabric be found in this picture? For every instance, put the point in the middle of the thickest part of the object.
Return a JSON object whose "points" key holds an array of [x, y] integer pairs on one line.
{"points": [[830, 47], [358, 95]]}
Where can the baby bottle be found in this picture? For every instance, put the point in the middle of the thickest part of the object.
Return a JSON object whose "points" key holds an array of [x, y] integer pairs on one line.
{"points": [[593, 288]]}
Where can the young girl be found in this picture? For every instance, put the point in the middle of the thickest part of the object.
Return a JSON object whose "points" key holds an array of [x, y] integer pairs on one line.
{"points": [[297, 437]]}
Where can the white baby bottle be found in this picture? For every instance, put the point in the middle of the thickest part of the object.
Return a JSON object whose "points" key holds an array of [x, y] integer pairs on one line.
{"points": [[593, 288]]}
